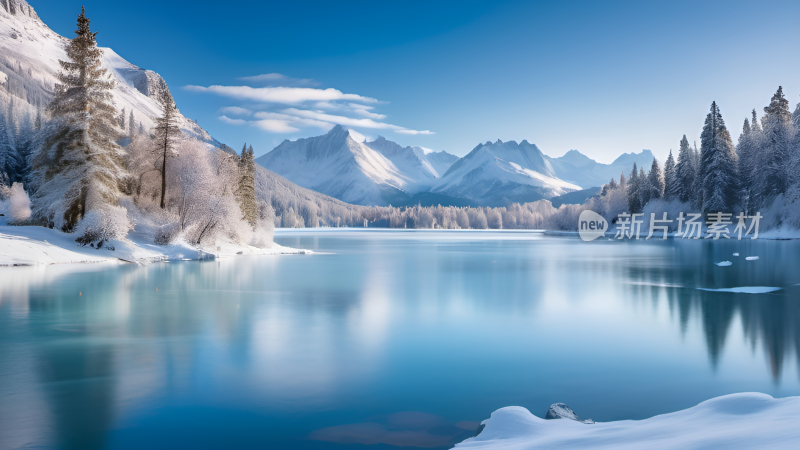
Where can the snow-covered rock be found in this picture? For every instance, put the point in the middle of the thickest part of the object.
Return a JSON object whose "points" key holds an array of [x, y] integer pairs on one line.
{"points": [[737, 421], [338, 165], [562, 411], [499, 173]]}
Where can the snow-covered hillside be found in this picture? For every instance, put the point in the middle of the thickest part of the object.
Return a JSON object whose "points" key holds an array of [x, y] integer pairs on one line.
{"points": [[737, 421], [339, 164], [499, 173], [29, 55], [577, 168]]}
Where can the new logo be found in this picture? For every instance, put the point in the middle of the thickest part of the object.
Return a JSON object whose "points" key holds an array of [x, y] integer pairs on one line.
{"points": [[591, 225]]}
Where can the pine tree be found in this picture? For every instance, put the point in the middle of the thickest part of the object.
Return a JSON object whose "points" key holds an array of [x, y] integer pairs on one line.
{"points": [[38, 124], [644, 188], [655, 181], [78, 165], [246, 191], [132, 127], [775, 158], [167, 132], [121, 119], [685, 172], [746, 151], [671, 190], [634, 196], [718, 164]]}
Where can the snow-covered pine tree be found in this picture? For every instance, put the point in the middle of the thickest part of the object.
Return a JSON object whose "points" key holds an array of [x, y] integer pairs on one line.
{"points": [[634, 196], [77, 164], [775, 158], [623, 184], [121, 119], [685, 172], [655, 180], [167, 132], [718, 165], [670, 178], [132, 126], [645, 190], [246, 191], [746, 151]]}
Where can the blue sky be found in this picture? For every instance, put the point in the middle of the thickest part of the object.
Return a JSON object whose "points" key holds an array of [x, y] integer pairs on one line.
{"points": [[601, 77]]}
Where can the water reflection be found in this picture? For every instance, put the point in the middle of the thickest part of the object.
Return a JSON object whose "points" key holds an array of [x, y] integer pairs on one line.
{"points": [[325, 351]]}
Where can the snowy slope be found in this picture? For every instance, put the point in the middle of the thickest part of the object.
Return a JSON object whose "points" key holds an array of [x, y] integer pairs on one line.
{"points": [[577, 168], [29, 54], [340, 165], [421, 165], [500, 173], [737, 421]]}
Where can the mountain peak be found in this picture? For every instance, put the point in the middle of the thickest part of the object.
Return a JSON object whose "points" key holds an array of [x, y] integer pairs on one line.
{"points": [[19, 7]]}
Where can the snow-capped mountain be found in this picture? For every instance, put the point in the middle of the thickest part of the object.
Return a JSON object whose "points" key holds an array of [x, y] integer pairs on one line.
{"points": [[579, 169], [29, 55], [339, 164], [500, 173], [422, 165]]}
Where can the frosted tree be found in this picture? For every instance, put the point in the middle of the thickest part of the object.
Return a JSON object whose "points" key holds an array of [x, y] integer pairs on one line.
{"points": [[671, 187], [655, 180], [132, 126], [166, 132], [685, 172], [718, 164], [747, 149], [775, 158], [246, 190], [644, 188], [77, 165], [121, 119], [634, 186]]}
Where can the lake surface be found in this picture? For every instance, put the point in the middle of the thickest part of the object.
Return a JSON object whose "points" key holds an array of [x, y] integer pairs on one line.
{"points": [[392, 338]]}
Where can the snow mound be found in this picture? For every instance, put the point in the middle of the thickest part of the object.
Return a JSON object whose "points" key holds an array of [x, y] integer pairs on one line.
{"points": [[723, 263], [737, 421], [745, 289]]}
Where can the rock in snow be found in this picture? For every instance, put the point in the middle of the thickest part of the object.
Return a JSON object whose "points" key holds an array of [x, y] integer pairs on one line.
{"points": [[562, 411], [737, 421]]}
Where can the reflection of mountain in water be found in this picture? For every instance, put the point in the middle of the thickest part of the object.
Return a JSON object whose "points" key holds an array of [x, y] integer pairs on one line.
{"points": [[769, 320]]}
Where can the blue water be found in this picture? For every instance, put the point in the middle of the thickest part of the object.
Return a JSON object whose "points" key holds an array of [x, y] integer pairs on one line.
{"points": [[392, 338]]}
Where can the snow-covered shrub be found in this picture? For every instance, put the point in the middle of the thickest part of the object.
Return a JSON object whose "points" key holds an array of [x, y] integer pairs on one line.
{"points": [[14, 202], [673, 208], [103, 224]]}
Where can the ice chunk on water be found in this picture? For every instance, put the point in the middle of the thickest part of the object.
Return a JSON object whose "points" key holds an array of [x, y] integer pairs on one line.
{"points": [[745, 289], [724, 263], [751, 258], [735, 254]]}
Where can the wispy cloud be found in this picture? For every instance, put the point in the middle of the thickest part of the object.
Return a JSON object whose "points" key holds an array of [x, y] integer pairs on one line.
{"points": [[290, 109], [283, 80]]}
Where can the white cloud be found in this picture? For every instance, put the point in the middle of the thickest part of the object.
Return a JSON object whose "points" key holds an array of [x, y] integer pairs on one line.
{"points": [[341, 120], [230, 121], [415, 132], [280, 78], [281, 94], [235, 111], [275, 126]]}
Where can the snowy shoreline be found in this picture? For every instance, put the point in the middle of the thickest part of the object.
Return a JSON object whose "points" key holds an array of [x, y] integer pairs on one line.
{"points": [[743, 420], [31, 246]]}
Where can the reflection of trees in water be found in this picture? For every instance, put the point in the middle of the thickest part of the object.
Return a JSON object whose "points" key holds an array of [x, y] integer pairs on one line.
{"points": [[770, 320]]}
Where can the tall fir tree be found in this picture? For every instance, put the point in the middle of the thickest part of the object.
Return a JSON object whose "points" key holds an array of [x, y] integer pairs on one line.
{"points": [[718, 165], [167, 133], [685, 172], [655, 181], [746, 151], [246, 191], [775, 158], [132, 126], [633, 187], [671, 190], [644, 188], [78, 165]]}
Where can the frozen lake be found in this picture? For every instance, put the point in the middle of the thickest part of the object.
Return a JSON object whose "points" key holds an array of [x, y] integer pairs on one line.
{"points": [[393, 338]]}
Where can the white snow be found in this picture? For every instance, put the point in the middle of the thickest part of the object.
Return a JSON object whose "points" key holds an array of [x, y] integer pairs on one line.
{"points": [[724, 263], [751, 258], [745, 289], [3, 77], [41, 246], [737, 421], [735, 254]]}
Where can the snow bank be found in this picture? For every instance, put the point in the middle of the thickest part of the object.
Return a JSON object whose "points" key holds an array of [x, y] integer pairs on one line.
{"points": [[28, 246], [737, 421]]}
